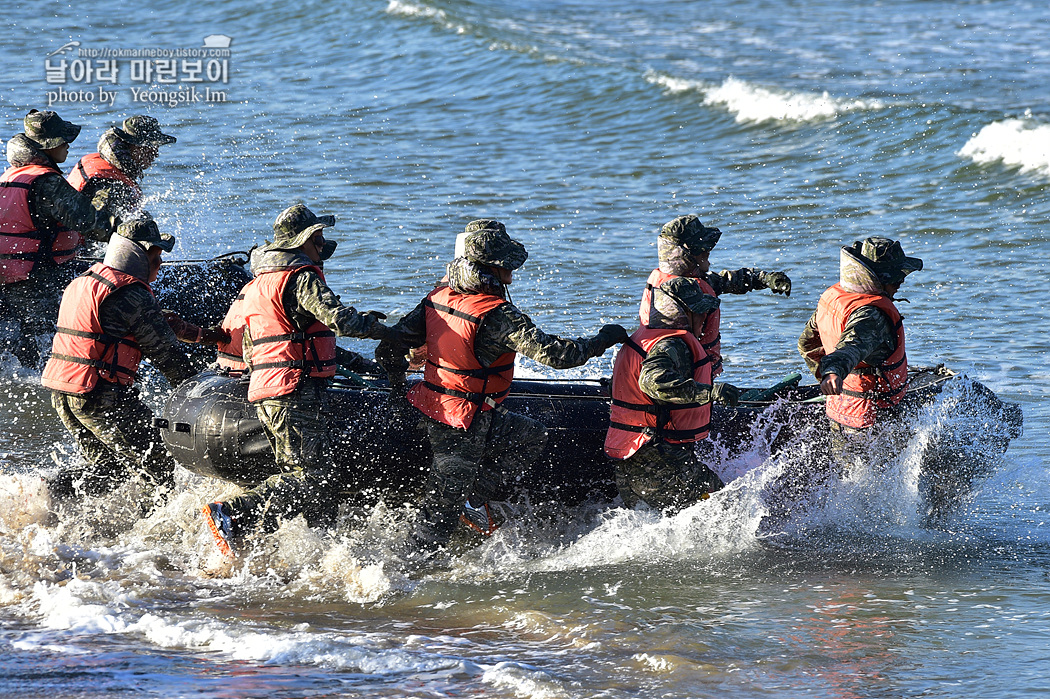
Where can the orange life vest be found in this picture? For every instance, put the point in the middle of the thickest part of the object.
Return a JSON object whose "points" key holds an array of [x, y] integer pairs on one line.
{"points": [[25, 239], [710, 338], [281, 353], [82, 353], [455, 385], [230, 356], [635, 418], [95, 166], [866, 388]]}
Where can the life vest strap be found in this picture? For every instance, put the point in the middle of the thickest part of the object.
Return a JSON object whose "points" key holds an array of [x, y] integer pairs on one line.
{"points": [[99, 278], [448, 310], [875, 395], [292, 337], [635, 346], [482, 373], [478, 398], [712, 343], [36, 256], [868, 370], [17, 185], [291, 364], [663, 434], [653, 409], [101, 337], [97, 364]]}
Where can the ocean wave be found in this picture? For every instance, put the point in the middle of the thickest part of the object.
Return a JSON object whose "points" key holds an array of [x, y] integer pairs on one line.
{"points": [[1013, 142], [410, 9], [753, 104]]}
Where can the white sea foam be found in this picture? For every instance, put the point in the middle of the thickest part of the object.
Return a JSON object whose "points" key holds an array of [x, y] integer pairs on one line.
{"points": [[89, 607], [410, 9], [524, 682], [1014, 142], [676, 85], [24, 500], [753, 104]]}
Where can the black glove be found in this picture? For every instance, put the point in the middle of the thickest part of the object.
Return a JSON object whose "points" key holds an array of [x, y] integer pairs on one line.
{"points": [[375, 314], [726, 394], [214, 336], [611, 334], [391, 356], [777, 282]]}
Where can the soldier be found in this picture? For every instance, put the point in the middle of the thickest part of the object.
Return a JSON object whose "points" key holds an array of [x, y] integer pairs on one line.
{"points": [[108, 320], [662, 385], [124, 154], [472, 334], [291, 319], [684, 247], [854, 342], [43, 222]]}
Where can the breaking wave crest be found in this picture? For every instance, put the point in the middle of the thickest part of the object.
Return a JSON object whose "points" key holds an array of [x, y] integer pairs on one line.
{"points": [[753, 104], [1013, 142]]}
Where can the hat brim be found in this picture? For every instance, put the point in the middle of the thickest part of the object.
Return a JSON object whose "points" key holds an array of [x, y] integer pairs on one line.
{"points": [[166, 242], [67, 133], [911, 264], [511, 256], [156, 139], [302, 236]]}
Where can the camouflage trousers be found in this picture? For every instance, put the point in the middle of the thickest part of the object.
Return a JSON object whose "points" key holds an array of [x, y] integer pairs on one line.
{"points": [[874, 446], [665, 476], [30, 308], [296, 426], [478, 463], [114, 430]]}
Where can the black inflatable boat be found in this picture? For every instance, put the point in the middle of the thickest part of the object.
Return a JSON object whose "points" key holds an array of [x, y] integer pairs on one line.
{"points": [[381, 451]]}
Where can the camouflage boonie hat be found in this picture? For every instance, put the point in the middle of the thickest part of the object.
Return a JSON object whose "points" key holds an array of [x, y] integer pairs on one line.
{"points": [[144, 231], [886, 258], [694, 236], [143, 130], [49, 130], [486, 242], [295, 225]]}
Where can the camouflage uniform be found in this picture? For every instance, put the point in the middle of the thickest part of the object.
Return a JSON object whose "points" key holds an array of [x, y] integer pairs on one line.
{"points": [[480, 462], [869, 335], [112, 426], [131, 149], [664, 475], [33, 303], [677, 245], [296, 424]]}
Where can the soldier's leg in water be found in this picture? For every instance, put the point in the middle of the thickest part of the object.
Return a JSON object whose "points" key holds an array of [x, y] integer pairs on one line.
{"points": [[124, 424], [453, 472], [848, 447], [664, 476], [297, 429], [102, 473], [514, 442], [35, 303], [22, 306]]}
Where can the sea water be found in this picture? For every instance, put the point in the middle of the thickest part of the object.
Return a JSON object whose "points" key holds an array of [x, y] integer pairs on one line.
{"points": [[794, 127]]}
